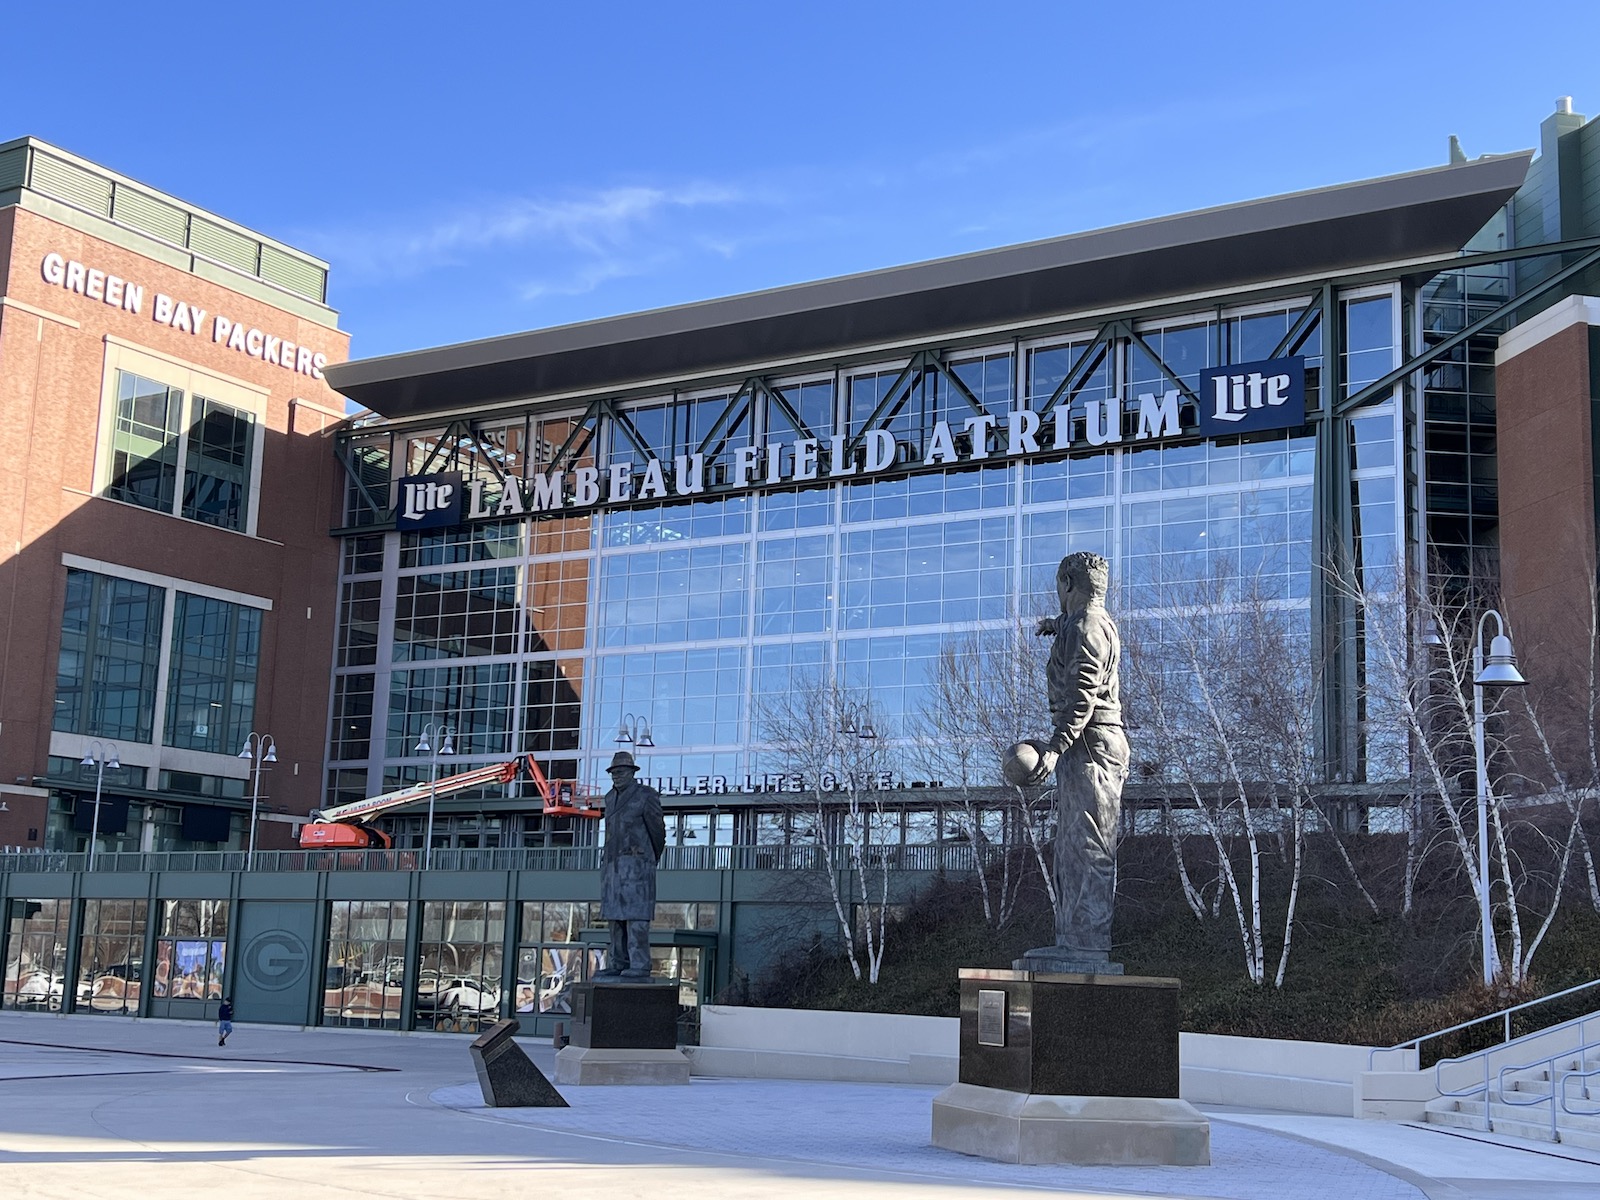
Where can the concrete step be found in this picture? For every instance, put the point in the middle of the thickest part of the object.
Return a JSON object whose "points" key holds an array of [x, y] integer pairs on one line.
{"points": [[1516, 1120]]}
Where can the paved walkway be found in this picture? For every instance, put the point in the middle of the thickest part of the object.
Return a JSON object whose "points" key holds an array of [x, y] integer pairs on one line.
{"points": [[108, 1107]]}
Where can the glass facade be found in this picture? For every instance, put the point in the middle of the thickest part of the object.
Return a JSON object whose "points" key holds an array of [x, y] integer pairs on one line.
{"points": [[686, 615]]}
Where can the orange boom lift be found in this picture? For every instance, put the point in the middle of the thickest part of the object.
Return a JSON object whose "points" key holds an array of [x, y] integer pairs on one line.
{"points": [[344, 826]]}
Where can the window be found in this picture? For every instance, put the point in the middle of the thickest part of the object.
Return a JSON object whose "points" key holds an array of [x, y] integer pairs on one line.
{"points": [[191, 950], [36, 951], [179, 442], [211, 697], [365, 967], [458, 972], [110, 648], [111, 956]]}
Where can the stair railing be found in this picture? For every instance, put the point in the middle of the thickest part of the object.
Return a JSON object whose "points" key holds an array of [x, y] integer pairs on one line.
{"points": [[1581, 1024], [1504, 1016], [1566, 1100]]}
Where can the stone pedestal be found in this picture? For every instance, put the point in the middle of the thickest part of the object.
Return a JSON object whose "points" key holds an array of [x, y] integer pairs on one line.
{"points": [[507, 1075], [1074, 1068], [623, 1033], [1088, 1130]]}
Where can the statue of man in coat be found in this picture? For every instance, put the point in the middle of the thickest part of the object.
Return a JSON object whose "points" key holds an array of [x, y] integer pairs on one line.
{"points": [[636, 833]]}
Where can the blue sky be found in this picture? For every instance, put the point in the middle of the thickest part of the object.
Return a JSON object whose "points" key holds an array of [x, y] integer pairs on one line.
{"points": [[473, 170]]}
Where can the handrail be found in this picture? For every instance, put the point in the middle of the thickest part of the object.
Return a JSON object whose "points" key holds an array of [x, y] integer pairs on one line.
{"points": [[1504, 1015], [1584, 1045], [1565, 1107]]}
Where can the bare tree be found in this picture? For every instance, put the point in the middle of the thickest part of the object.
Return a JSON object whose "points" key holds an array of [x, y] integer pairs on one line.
{"points": [[838, 747], [1220, 681], [1540, 782], [988, 692]]}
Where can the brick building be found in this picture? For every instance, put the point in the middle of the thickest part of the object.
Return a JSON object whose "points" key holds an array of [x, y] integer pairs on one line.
{"points": [[167, 575]]}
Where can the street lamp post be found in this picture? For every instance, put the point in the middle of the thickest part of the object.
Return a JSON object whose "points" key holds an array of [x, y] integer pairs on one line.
{"points": [[260, 749], [425, 745], [1499, 671], [635, 731], [100, 755]]}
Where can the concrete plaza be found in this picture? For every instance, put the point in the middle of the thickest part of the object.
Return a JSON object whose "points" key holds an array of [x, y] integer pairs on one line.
{"points": [[110, 1107]]}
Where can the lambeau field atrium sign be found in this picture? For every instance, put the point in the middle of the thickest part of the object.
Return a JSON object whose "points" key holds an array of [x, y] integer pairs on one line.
{"points": [[1230, 400]]}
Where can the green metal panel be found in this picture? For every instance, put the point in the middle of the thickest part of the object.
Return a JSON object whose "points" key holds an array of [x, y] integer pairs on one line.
{"points": [[69, 182], [223, 245], [13, 168], [296, 274], [150, 215]]}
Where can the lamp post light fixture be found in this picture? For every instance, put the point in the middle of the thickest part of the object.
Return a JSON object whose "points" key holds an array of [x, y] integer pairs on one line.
{"points": [[1500, 670], [100, 755], [260, 750], [425, 745], [635, 731]]}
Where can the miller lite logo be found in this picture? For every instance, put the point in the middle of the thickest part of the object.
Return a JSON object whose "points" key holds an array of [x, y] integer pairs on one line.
{"points": [[428, 501], [1246, 397]]}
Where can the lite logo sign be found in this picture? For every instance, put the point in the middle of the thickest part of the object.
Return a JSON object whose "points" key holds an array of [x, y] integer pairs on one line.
{"points": [[1236, 399], [1251, 397], [429, 501]]}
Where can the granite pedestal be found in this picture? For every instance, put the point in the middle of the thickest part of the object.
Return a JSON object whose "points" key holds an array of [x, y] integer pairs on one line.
{"points": [[1069, 1068], [507, 1076], [623, 1033]]}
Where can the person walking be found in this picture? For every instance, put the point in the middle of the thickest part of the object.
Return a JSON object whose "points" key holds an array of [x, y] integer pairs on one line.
{"points": [[224, 1021]]}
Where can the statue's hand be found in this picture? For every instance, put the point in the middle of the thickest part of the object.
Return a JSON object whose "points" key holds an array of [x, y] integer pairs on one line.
{"points": [[1046, 626]]}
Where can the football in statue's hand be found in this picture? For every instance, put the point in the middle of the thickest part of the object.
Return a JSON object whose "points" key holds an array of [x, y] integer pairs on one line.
{"points": [[1028, 764]]}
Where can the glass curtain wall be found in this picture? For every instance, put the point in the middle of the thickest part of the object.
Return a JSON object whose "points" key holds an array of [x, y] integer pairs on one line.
{"points": [[111, 956], [685, 615]]}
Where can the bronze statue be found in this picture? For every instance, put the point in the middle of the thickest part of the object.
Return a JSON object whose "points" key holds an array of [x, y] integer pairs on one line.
{"points": [[636, 833], [1089, 750]]}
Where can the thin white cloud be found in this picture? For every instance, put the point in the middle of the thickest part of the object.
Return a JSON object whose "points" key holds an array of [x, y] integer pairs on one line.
{"points": [[593, 223]]}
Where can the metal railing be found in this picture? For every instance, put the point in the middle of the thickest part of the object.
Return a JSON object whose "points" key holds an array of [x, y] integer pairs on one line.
{"points": [[1556, 1080], [1493, 1085], [1504, 1016], [952, 858]]}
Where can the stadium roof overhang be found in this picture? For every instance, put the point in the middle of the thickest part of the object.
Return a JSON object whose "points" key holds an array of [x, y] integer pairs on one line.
{"points": [[1327, 232]]}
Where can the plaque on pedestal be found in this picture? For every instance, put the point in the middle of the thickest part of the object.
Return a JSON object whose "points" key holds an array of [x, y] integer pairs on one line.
{"points": [[1079, 1068], [1070, 1035]]}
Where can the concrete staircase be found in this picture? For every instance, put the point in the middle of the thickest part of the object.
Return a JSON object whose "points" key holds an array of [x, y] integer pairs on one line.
{"points": [[1523, 1108]]}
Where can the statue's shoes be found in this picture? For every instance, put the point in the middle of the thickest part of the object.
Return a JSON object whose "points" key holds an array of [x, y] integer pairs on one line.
{"points": [[606, 976], [633, 976]]}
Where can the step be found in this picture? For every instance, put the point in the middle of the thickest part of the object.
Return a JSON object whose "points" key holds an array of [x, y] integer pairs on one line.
{"points": [[1525, 1121]]}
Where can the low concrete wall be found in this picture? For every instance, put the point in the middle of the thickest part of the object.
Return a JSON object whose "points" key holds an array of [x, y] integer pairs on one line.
{"points": [[782, 1043], [1305, 1077], [789, 1043]]}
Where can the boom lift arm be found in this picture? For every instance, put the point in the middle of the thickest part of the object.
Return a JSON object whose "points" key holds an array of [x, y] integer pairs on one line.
{"points": [[344, 825]]}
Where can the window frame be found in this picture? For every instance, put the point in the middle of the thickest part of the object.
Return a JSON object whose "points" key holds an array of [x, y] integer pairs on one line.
{"points": [[193, 384]]}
